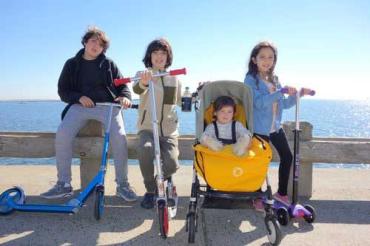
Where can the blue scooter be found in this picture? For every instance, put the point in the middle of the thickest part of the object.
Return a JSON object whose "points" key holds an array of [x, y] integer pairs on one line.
{"points": [[15, 199], [285, 212]]}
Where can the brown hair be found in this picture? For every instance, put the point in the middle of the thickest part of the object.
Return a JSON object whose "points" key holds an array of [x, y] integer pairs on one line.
{"points": [[223, 101], [158, 44], [252, 67], [96, 32]]}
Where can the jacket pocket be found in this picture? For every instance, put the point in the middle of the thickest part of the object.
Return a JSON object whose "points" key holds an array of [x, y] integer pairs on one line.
{"points": [[142, 120], [169, 95]]}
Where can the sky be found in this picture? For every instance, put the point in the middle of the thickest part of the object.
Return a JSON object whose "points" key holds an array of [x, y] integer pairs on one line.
{"points": [[323, 45]]}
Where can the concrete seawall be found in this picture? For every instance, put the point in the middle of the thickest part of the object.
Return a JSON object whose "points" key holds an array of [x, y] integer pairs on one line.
{"points": [[340, 196]]}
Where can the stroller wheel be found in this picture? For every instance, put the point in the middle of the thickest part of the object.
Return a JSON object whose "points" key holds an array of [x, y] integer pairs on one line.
{"points": [[15, 194], [310, 218], [191, 223], [282, 215], [163, 219], [99, 203], [273, 230]]}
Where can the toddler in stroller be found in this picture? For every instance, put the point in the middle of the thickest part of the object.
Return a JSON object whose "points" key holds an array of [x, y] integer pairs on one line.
{"points": [[235, 171], [225, 130]]}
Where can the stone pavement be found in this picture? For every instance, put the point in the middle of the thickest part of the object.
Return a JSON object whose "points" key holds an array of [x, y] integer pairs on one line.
{"points": [[341, 198]]}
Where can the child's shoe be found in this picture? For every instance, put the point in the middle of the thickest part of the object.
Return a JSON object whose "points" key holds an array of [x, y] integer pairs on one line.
{"points": [[283, 199], [125, 191], [59, 190], [148, 201], [258, 205]]}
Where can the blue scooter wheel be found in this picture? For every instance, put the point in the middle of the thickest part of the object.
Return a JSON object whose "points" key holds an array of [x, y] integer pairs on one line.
{"points": [[15, 194], [99, 203]]}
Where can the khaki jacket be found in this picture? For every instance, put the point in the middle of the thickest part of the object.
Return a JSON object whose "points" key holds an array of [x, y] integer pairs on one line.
{"points": [[167, 93]]}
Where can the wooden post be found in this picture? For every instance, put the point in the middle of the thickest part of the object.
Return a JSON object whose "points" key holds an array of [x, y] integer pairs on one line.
{"points": [[306, 168], [89, 166]]}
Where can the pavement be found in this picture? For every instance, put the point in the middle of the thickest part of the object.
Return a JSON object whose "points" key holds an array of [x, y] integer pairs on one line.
{"points": [[341, 198]]}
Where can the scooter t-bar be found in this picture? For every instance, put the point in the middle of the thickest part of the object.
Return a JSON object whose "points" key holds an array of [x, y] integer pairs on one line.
{"points": [[118, 82]]}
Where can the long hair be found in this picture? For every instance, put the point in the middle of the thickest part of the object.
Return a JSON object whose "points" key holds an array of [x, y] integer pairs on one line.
{"points": [[252, 67]]}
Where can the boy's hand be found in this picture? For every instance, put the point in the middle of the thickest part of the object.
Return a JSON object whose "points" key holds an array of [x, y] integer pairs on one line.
{"points": [[124, 101], [145, 76], [86, 102]]}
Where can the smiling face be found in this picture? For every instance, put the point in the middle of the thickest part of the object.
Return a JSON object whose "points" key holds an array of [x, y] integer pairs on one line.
{"points": [[264, 60], [159, 59], [93, 48], [225, 114]]}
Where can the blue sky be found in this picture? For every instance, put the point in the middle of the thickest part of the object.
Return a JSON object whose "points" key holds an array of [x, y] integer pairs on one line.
{"points": [[322, 44]]}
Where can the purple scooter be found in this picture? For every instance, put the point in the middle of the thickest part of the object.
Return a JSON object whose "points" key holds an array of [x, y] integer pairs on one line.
{"points": [[285, 212]]}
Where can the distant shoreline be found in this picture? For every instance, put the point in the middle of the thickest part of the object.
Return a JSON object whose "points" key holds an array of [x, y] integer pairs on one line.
{"points": [[58, 100]]}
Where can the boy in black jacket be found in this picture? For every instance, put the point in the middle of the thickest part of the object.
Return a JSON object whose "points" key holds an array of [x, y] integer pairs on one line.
{"points": [[85, 80]]}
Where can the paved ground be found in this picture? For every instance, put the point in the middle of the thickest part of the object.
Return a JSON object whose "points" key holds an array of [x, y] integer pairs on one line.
{"points": [[341, 198]]}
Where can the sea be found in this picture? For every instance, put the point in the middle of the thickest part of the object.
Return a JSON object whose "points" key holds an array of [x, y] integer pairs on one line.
{"points": [[330, 118]]}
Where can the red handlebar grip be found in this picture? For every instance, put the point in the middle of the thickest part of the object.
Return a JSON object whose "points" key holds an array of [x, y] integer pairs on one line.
{"points": [[178, 71], [118, 82]]}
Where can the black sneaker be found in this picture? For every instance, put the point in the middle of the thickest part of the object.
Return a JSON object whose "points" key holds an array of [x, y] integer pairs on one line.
{"points": [[148, 201]]}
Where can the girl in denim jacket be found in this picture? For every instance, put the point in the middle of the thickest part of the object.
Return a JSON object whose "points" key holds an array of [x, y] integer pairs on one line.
{"points": [[268, 105]]}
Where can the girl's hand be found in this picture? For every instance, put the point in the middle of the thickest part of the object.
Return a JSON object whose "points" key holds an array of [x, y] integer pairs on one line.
{"points": [[291, 90], [86, 102], [125, 102], [145, 76]]}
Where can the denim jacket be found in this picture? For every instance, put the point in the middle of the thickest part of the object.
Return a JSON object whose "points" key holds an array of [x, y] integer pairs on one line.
{"points": [[262, 105]]}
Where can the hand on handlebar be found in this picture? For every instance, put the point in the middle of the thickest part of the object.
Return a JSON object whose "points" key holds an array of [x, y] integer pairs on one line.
{"points": [[125, 102], [145, 76], [291, 91], [86, 102]]}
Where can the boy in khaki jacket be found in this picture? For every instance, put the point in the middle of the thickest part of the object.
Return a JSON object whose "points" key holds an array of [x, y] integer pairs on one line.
{"points": [[158, 57]]}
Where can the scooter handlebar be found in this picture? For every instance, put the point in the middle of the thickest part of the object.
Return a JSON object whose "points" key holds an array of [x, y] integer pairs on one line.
{"points": [[122, 81], [284, 90], [310, 92], [118, 82], [178, 72], [133, 106]]}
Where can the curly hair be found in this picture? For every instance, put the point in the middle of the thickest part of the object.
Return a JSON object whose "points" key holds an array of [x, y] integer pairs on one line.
{"points": [[94, 31]]}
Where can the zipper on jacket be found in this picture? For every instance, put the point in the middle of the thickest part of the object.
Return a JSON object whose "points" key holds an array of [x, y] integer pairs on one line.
{"points": [[162, 109], [142, 120]]}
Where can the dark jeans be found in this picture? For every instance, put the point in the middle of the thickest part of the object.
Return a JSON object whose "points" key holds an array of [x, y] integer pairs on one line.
{"points": [[280, 142]]}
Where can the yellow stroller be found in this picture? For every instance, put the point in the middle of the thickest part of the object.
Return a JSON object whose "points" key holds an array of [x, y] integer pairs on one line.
{"points": [[227, 176]]}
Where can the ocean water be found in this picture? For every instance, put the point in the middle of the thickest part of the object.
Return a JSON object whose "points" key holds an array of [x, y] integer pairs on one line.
{"points": [[334, 118]]}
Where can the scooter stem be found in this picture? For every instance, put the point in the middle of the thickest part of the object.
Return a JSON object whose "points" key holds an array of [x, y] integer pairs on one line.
{"points": [[296, 157], [157, 151]]}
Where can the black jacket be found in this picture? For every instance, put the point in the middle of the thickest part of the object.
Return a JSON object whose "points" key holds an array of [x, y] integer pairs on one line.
{"points": [[68, 84]]}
